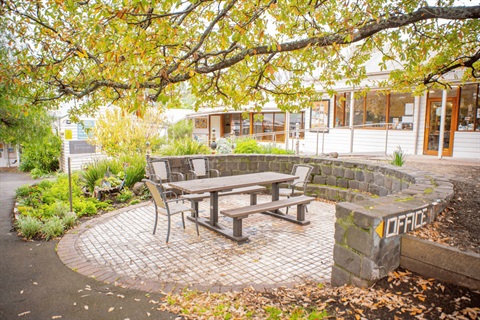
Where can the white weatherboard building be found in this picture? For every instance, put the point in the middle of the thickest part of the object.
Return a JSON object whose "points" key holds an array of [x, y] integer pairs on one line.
{"points": [[443, 123]]}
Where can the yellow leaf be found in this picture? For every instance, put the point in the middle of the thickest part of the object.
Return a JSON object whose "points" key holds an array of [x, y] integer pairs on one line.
{"points": [[191, 73]]}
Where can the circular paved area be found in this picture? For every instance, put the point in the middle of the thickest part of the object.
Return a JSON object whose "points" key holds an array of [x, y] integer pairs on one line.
{"points": [[119, 247]]}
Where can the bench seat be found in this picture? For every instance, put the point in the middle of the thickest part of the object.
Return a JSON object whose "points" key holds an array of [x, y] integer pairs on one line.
{"points": [[270, 208], [252, 190]]}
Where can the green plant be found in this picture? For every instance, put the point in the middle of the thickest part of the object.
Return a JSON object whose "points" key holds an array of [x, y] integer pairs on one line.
{"points": [[398, 157], [273, 312], [246, 146], [69, 220], [125, 195], [42, 155], [29, 226], [184, 146], [52, 228], [22, 191], [224, 146]]}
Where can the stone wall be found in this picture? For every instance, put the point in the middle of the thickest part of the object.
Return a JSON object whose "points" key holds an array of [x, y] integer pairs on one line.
{"points": [[376, 204]]}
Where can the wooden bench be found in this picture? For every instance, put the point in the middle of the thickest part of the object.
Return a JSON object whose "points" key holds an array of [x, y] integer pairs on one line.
{"points": [[270, 208], [252, 190]]}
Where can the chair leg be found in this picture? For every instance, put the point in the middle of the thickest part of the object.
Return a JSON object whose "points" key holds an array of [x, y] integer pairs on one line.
{"points": [[286, 212], [168, 231], [156, 219], [183, 220], [195, 213]]}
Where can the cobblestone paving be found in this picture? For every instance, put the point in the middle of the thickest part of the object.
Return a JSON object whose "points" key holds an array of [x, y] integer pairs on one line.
{"points": [[121, 247]]}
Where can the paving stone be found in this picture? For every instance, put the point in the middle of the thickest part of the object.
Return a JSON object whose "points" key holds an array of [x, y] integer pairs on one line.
{"points": [[122, 246]]}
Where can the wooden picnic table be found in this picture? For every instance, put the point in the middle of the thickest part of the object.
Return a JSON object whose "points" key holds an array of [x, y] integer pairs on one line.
{"points": [[216, 185]]}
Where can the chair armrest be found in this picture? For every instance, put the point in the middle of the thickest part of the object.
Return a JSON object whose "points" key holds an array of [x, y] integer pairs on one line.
{"points": [[155, 178], [193, 174], [216, 172], [180, 175], [173, 193]]}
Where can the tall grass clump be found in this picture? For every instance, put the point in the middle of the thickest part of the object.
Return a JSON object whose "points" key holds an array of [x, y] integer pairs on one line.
{"points": [[185, 146], [398, 157]]}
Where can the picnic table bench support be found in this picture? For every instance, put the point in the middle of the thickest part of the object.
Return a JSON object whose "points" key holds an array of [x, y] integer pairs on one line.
{"points": [[270, 208], [300, 219]]}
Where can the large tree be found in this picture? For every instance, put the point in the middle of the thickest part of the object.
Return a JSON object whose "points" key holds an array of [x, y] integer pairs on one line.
{"points": [[231, 52]]}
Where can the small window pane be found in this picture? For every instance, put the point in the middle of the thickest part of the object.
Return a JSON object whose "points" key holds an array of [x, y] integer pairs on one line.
{"points": [[358, 108], [468, 108], [376, 106], [401, 111]]}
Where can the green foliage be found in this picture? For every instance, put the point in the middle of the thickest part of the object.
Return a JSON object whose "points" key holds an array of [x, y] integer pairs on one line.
{"points": [[270, 149], [69, 220], [29, 226], [224, 146], [41, 155], [273, 313], [52, 228], [398, 157], [121, 133], [180, 130], [185, 146], [22, 191], [128, 52], [125, 195], [48, 201], [129, 168], [249, 145]]}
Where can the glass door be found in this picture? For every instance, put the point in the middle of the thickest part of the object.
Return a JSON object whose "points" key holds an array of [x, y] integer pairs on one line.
{"points": [[432, 127]]}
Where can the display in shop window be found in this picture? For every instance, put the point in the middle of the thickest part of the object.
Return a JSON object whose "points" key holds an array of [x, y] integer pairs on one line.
{"points": [[319, 115]]}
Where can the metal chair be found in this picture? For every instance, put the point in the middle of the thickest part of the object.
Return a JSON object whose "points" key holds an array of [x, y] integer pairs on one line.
{"points": [[160, 172], [171, 207], [200, 168], [298, 186]]}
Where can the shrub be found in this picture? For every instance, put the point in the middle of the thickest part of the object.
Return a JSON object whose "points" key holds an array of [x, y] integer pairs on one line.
{"points": [[245, 146], [52, 228], [224, 146], [42, 155], [125, 195], [28, 226], [185, 146], [69, 220], [22, 191]]}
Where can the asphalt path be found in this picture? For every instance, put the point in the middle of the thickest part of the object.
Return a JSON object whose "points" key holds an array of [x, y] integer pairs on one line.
{"points": [[35, 284]]}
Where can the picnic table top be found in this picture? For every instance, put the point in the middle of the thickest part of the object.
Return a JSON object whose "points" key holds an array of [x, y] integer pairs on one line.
{"points": [[231, 182]]}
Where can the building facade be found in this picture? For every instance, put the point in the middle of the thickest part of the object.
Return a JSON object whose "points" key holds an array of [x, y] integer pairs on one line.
{"points": [[443, 123]]}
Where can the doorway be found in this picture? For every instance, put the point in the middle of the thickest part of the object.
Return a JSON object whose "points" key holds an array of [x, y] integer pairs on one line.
{"points": [[432, 127]]}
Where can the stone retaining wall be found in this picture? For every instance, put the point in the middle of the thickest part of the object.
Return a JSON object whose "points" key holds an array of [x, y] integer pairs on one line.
{"points": [[376, 204]]}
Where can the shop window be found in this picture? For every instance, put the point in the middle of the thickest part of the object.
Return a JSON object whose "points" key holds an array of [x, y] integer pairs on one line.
{"points": [[297, 118], [319, 113], [341, 110], [375, 109], [359, 111], [469, 111], [401, 111]]}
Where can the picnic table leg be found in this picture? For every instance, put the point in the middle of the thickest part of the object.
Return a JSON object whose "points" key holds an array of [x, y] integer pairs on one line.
{"points": [[214, 208], [253, 199], [237, 227], [275, 191], [301, 212]]}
